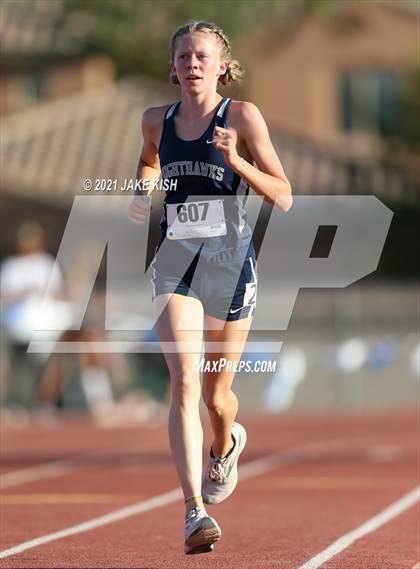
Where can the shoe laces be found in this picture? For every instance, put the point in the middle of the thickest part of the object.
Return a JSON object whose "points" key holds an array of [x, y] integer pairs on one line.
{"points": [[192, 515], [217, 472]]}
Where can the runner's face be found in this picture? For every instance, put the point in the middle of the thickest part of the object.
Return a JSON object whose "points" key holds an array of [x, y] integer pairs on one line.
{"points": [[197, 62]]}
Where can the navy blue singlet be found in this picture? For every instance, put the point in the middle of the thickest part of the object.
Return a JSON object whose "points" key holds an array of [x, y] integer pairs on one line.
{"points": [[200, 170]]}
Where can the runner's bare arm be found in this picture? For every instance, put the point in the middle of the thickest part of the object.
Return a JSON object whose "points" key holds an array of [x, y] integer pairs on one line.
{"points": [[148, 167], [268, 178]]}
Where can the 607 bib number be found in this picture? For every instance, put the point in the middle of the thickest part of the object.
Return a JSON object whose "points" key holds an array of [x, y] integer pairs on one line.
{"points": [[192, 212], [196, 219]]}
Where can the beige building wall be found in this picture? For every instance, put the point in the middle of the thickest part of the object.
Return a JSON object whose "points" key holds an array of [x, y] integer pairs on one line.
{"points": [[93, 72], [59, 81], [294, 78]]}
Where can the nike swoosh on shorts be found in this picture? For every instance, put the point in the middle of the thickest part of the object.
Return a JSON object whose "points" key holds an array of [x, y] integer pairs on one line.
{"points": [[232, 311]]}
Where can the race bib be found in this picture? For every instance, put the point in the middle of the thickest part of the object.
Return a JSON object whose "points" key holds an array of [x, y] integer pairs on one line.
{"points": [[196, 219]]}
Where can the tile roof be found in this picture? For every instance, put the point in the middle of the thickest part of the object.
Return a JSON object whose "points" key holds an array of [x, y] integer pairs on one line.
{"points": [[41, 27], [49, 150]]}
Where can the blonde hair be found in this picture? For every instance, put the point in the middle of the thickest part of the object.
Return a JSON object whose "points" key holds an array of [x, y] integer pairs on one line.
{"points": [[234, 71]]}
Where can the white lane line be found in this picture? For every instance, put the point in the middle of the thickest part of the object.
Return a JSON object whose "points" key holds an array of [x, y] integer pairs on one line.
{"points": [[254, 468], [62, 467], [146, 506], [38, 472], [391, 512], [50, 469], [285, 457], [384, 453]]}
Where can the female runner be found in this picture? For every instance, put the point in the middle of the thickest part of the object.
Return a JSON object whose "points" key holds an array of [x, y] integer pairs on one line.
{"points": [[204, 272]]}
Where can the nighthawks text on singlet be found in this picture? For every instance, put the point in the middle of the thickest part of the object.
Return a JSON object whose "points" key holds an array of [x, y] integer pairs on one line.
{"points": [[193, 168]]}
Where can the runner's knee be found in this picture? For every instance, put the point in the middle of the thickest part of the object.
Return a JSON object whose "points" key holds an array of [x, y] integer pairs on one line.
{"points": [[185, 387], [215, 399]]}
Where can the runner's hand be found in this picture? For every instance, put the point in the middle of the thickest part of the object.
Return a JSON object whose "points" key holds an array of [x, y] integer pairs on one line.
{"points": [[225, 139], [139, 209]]}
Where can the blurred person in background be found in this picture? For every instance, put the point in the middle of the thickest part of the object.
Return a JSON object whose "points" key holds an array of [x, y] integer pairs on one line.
{"points": [[34, 296], [88, 376], [24, 278], [92, 368]]}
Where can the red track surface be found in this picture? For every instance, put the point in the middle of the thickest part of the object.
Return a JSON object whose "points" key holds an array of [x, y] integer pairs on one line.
{"points": [[278, 519]]}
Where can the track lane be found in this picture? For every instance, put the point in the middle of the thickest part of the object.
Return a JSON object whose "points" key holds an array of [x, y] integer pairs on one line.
{"points": [[395, 546], [282, 459], [282, 542]]}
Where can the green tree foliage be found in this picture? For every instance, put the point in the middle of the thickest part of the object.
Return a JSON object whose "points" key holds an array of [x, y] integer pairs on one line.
{"points": [[408, 130], [136, 33]]}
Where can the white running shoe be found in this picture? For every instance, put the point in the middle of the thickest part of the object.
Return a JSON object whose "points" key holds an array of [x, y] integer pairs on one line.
{"points": [[221, 476], [201, 532]]}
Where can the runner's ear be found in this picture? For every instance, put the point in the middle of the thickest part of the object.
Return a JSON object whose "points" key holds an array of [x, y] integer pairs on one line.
{"points": [[223, 67]]}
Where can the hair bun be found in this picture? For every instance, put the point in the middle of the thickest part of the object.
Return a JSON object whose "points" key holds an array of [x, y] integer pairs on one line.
{"points": [[234, 72]]}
